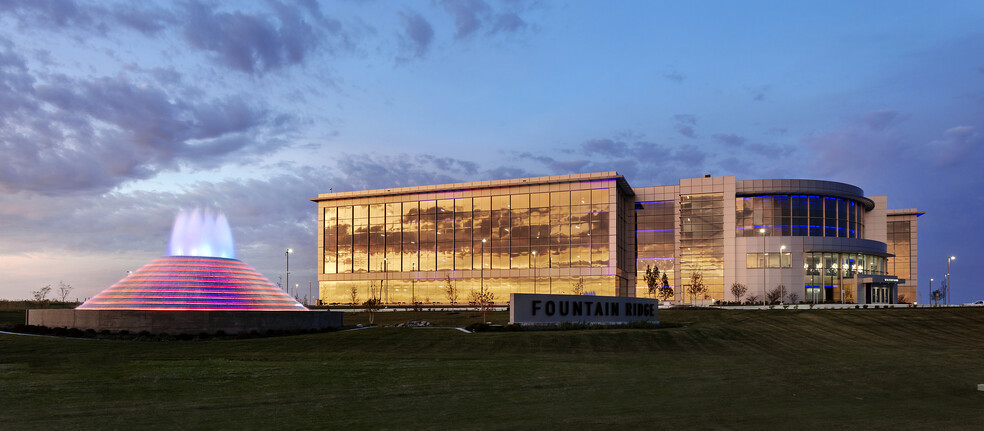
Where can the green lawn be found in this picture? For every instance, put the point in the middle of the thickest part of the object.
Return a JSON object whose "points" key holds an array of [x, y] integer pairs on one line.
{"points": [[849, 369]]}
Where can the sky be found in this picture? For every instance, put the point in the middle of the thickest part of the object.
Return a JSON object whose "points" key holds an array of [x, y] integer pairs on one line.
{"points": [[114, 116]]}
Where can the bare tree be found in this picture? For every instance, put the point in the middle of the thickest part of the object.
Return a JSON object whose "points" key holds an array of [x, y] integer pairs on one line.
{"points": [[354, 295], [64, 290], [903, 299], [937, 296], [577, 286], [774, 295], [41, 294], [738, 290], [697, 288], [450, 290], [793, 297], [372, 304], [665, 291], [652, 280], [485, 300], [753, 299]]}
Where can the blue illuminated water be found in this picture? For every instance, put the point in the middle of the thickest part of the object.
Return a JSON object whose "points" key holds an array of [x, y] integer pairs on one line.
{"points": [[201, 233]]}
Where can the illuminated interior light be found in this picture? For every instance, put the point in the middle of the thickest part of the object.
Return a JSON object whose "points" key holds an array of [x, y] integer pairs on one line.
{"points": [[175, 283]]}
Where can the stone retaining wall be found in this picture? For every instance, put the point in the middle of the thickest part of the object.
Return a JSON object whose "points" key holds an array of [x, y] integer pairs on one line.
{"points": [[184, 322]]}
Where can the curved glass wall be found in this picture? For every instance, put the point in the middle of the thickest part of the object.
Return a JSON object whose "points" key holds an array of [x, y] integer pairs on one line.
{"points": [[832, 276], [798, 215]]}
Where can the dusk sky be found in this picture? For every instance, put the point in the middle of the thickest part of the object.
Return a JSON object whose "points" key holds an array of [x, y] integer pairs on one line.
{"points": [[116, 115]]}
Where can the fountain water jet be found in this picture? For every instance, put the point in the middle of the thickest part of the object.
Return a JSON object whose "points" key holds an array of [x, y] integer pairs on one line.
{"points": [[201, 233]]}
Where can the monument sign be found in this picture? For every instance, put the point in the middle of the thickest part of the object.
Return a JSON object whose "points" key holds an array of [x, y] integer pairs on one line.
{"points": [[527, 309]]}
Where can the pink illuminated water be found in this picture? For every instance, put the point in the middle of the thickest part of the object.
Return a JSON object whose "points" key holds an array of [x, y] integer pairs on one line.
{"points": [[201, 233]]}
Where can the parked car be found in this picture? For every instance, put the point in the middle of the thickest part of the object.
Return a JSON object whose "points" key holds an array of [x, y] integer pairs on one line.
{"points": [[978, 303]]}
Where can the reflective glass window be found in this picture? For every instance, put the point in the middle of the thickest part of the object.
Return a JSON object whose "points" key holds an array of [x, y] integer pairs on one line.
{"points": [[411, 233], [394, 237], [331, 240], [428, 236], [830, 217], [345, 239]]}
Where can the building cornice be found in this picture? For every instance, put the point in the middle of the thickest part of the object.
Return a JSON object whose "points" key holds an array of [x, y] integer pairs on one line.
{"points": [[476, 185]]}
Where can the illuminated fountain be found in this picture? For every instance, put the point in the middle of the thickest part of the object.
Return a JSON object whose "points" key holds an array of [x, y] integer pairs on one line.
{"points": [[199, 273], [199, 287]]}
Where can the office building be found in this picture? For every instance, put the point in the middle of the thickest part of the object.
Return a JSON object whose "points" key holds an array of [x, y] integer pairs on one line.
{"points": [[814, 241]]}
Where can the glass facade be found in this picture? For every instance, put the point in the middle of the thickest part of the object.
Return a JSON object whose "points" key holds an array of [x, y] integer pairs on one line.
{"points": [[655, 242], [798, 215], [521, 231], [516, 231], [901, 238], [899, 245], [831, 276], [769, 260], [702, 244], [563, 234]]}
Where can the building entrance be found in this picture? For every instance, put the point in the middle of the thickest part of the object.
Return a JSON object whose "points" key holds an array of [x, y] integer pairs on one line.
{"points": [[879, 289]]}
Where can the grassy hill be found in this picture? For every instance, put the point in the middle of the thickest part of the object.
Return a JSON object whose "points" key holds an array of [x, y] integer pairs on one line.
{"points": [[823, 369]]}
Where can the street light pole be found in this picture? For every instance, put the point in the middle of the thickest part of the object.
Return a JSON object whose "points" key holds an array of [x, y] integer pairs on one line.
{"points": [[948, 281], [930, 291], [765, 274], [481, 287], [287, 281], [781, 287], [534, 272]]}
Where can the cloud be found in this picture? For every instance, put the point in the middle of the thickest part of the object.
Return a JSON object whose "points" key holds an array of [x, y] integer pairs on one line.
{"points": [[674, 76], [955, 146], [467, 14], [729, 139], [686, 119], [47, 14], [470, 16], [851, 148], [879, 120], [685, 125], [143, 18], [69, 135], [605, 147], [508, 22], [283, 34], [646, 162], [758, 93], [416, 35], [257, 42]]}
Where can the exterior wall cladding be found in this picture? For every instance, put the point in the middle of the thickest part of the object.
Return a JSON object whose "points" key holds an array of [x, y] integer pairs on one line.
{"points": [[592, 233]]}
